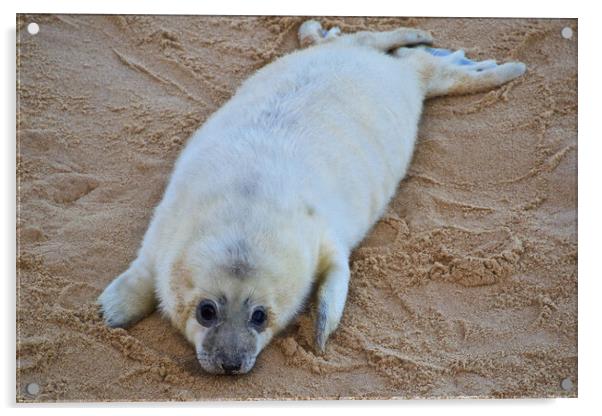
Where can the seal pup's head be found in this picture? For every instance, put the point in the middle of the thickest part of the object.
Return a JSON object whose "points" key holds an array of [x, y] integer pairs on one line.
{"points": [[230, 295]]}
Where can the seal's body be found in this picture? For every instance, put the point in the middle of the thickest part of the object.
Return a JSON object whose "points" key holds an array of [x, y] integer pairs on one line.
{"points": [[272, 193]]}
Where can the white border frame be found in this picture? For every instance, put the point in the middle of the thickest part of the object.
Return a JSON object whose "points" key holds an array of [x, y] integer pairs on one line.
{"points": [[589, 152]]}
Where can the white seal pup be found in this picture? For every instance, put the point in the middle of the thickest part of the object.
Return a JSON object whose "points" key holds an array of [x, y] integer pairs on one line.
{"points": [[272, 193]]}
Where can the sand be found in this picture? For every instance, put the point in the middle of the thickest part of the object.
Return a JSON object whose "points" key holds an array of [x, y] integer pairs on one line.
{"points": [[466, 287]]}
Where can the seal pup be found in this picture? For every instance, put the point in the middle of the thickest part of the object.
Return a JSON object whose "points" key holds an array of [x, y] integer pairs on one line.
{"points": [[272, 193]]}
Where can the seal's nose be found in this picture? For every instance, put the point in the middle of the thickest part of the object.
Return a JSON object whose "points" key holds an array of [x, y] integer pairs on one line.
{"points": [[231, 366]]}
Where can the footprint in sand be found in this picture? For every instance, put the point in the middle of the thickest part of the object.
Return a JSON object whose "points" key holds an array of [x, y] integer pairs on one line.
{"points": [[70, 187]]}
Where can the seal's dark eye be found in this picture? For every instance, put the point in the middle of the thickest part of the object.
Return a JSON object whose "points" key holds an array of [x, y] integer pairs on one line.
{"points": [[206, 313], [259, 317]]}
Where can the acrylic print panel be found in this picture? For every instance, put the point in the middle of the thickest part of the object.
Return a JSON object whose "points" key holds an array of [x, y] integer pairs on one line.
{"points": [[466, 287]]}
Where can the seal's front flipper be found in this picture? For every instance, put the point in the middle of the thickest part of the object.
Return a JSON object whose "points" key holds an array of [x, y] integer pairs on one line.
{"points": [[130, 297], [332, 291]]}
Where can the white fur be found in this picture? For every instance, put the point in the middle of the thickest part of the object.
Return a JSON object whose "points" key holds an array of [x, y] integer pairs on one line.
{"points": [[302, 161]]}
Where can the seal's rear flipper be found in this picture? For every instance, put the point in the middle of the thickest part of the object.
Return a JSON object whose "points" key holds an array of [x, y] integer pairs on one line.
{"points": [[311, 32], [445, 72], [459, 58]]}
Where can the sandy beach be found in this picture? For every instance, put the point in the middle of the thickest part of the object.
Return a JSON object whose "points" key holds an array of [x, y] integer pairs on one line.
{"points": [[467, 287]]}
